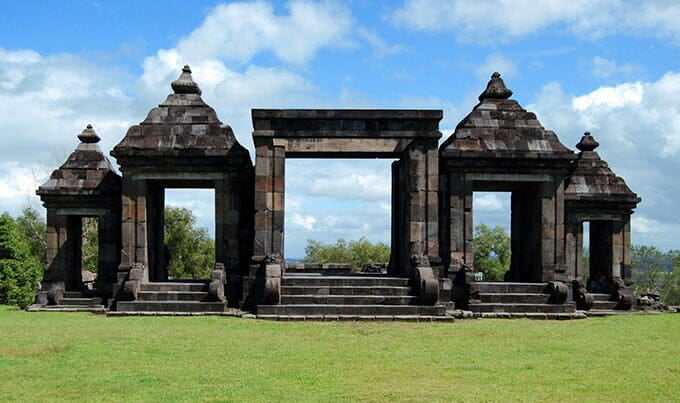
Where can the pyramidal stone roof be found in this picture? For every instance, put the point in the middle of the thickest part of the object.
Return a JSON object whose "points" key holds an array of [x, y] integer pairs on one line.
{"points": [[498, 127], [86, 172], [592, 179], [182, 126]]}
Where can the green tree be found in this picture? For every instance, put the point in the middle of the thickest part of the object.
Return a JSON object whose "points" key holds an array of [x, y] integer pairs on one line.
{"points": [[491, 252], [670, 291], [20, 271], [192, 252], [90, 244], [649, 265], [32, 225], [357, 253]]}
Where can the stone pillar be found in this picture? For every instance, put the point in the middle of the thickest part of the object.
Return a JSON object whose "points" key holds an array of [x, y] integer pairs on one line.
{"points": [[109, 251], [264, 159], [460, 225], [396, 214], [574, 249], [228, 196], [432, 203], [278, 200], [552, 231], [133, 227]]}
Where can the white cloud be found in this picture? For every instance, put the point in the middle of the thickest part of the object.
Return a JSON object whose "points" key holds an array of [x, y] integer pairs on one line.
{"points": [[638, 127], [18, 184], [496, 62], [238, 31], [380, 46], [45, 101], [500, 20], [358, 180], [611, 97], [306, 222], [487, 202], [605, 68]]}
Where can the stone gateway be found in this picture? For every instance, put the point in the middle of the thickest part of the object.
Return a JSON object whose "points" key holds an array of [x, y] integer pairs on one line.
{"points": [[499, 146]]}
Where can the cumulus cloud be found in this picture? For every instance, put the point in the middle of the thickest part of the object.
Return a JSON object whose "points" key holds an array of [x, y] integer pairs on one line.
{"points": [[364, 180], [487, 202], [45, 101], [223, 50], [496, 62], [499, 20], [605, 68], [638, 127]]}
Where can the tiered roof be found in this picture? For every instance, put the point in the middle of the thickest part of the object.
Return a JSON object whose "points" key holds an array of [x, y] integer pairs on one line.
{"points": [[86, 172], [592, 180], [182, 126], [498, 127]]}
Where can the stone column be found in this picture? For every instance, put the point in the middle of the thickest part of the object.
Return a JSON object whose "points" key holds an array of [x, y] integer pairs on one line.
{"points": [[432, 203], [264, 160], [278, 200], [460, 225], [228, 195], [574, 248], [133, 227], [109, 250], [396, 214]]}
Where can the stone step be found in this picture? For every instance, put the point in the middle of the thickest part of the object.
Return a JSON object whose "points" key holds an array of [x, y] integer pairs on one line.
{"points": [[72, 294], [349, 300], [356, 290], [169, 306], [81, 302], [528, 308], [175, 286], [507, 287], [363, 310], [514, 298], [600, 296], [343, 281], [171, 295], [604, 305], [67, 308], [375, 318]]}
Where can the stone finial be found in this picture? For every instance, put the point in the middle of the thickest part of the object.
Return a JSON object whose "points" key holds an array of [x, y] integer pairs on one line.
{"points": [[88, 135], [185, 84], [495, 88], [587, 143]]}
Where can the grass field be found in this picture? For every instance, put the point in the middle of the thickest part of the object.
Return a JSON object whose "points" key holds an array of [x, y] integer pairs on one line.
{"points": [[76, 356]]}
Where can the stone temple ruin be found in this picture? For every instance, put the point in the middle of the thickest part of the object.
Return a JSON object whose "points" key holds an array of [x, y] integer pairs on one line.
{"points": [[498, 146]]}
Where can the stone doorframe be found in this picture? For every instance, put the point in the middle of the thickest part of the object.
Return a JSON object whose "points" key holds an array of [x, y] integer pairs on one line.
{"points": [[410, 136]]}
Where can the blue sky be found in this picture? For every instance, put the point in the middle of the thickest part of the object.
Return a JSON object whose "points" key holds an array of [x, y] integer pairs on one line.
{"points": [[609, 67]]}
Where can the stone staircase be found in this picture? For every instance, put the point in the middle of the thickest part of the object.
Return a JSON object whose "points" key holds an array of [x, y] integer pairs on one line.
{"points": [[313, 296], [72, 301], [505, 299], [602, 302], [170, 297]]}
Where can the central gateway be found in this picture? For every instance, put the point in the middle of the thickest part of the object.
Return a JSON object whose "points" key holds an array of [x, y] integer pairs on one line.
{"points": [[409, 136]]}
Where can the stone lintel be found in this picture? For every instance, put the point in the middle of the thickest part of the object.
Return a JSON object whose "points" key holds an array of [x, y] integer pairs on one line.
{"points": [[191, 176], [510, 177], [343, 147], [86, 212], [341, 123]]}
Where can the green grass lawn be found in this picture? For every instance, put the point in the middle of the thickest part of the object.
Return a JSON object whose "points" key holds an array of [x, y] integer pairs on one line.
{"points": [[76, 356]]}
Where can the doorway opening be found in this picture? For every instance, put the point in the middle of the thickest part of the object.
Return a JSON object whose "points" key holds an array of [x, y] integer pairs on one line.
{"points": [[341, 205], [492, 234]]}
